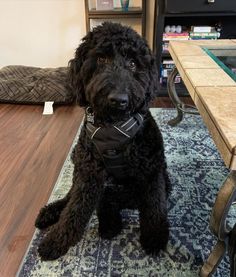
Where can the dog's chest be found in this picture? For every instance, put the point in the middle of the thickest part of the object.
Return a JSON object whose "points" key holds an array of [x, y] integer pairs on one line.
{"points": [[125, 191], [111, 144]]}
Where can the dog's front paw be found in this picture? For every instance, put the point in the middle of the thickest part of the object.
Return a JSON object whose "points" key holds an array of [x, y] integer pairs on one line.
{"points": [[155, 240], [47, 216], [51, 248]]}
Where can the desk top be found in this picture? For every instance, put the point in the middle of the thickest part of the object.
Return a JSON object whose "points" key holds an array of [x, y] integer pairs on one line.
{"points": [[212, 90]]}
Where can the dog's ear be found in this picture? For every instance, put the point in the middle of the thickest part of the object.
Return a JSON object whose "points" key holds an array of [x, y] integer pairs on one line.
{"points": [[75, 76], [153, 86], [76, 82]]}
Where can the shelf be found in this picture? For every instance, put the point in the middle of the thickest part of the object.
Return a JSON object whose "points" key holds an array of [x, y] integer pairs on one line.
{"points": [[117, 13], [200, 14], [132, 12], [166, 55], [197, 16]]}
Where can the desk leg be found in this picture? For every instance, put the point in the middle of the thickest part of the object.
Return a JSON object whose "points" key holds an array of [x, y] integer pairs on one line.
{"points": [[218, 224], [180, 106]]}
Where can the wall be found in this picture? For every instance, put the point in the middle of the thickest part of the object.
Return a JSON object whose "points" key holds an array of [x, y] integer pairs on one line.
{"points": [[45, 33]]}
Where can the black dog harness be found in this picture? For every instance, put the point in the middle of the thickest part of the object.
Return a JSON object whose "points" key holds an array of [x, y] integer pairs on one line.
{"points": [[110, 142]]}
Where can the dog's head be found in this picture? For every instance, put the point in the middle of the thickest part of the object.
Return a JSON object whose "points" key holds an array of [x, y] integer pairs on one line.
{"points": [[113, 72]]}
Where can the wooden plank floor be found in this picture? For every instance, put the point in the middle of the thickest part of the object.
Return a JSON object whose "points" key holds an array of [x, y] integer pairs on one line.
{"points": [[33, 148]]}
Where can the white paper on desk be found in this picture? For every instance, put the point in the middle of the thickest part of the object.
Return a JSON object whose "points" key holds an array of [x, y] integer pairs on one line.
{"points": [[48, 108]]}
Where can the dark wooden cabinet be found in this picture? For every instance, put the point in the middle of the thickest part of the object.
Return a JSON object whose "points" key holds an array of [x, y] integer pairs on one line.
{"points": [[133, 12], [191, 13], [188, 6]]}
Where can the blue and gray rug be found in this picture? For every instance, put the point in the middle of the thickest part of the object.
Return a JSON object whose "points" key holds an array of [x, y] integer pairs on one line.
{"points": [[196, 171]]}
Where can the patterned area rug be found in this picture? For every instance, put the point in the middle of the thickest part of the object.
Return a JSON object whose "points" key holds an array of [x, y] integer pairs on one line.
{"points": [[196, 171]]}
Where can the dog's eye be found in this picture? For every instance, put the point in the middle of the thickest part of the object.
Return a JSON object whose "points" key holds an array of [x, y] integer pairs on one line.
{"points": [[132, 65]]}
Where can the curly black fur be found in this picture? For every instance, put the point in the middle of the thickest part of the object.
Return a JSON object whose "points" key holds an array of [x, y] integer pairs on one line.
{"points": [[114, 73]]}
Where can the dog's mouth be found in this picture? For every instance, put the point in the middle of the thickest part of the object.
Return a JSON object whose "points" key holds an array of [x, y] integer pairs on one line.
{"points": [[114, 115], [108, 115], [118, 114]]}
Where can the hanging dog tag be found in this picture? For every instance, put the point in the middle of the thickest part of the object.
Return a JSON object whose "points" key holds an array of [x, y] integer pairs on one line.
{"points": [[90, 118], [89, 115]]}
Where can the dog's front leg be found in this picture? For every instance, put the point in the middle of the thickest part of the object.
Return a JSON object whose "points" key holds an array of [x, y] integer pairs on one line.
{"points": [[153, 217], [69, 229]]}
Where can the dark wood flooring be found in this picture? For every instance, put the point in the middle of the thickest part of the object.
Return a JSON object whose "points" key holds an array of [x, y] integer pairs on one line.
{"points": [[33, 148]]}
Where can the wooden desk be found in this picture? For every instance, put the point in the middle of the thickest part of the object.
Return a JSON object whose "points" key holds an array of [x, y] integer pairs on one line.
{"points": [[33, 149], [214, 94]]}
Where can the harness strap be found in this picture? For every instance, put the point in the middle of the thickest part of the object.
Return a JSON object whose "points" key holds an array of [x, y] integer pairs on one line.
{"points": [[110, 142]]}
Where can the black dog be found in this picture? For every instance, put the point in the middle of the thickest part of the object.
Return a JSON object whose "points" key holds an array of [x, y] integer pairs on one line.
{"points": [[119, 158]]}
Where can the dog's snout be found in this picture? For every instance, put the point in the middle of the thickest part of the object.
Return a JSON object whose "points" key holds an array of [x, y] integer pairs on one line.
{"points": [[118, 100]]}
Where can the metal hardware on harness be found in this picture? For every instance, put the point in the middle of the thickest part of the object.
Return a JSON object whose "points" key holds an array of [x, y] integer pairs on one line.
{"points": [[89, 115]]}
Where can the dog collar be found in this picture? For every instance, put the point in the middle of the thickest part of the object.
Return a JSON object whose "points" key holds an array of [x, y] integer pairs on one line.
{"points": [[111, 141]]}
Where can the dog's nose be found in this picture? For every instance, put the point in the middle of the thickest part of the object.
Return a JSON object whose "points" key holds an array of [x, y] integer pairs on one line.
{"points": [[118, 100]]}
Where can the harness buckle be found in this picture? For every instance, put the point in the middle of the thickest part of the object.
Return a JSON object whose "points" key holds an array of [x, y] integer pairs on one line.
{"points": [[90, 115]]}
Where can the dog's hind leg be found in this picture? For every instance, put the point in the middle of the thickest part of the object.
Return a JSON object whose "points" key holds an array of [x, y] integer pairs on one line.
{"points": [[50, 214], [108, 212], [85, 194]]}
